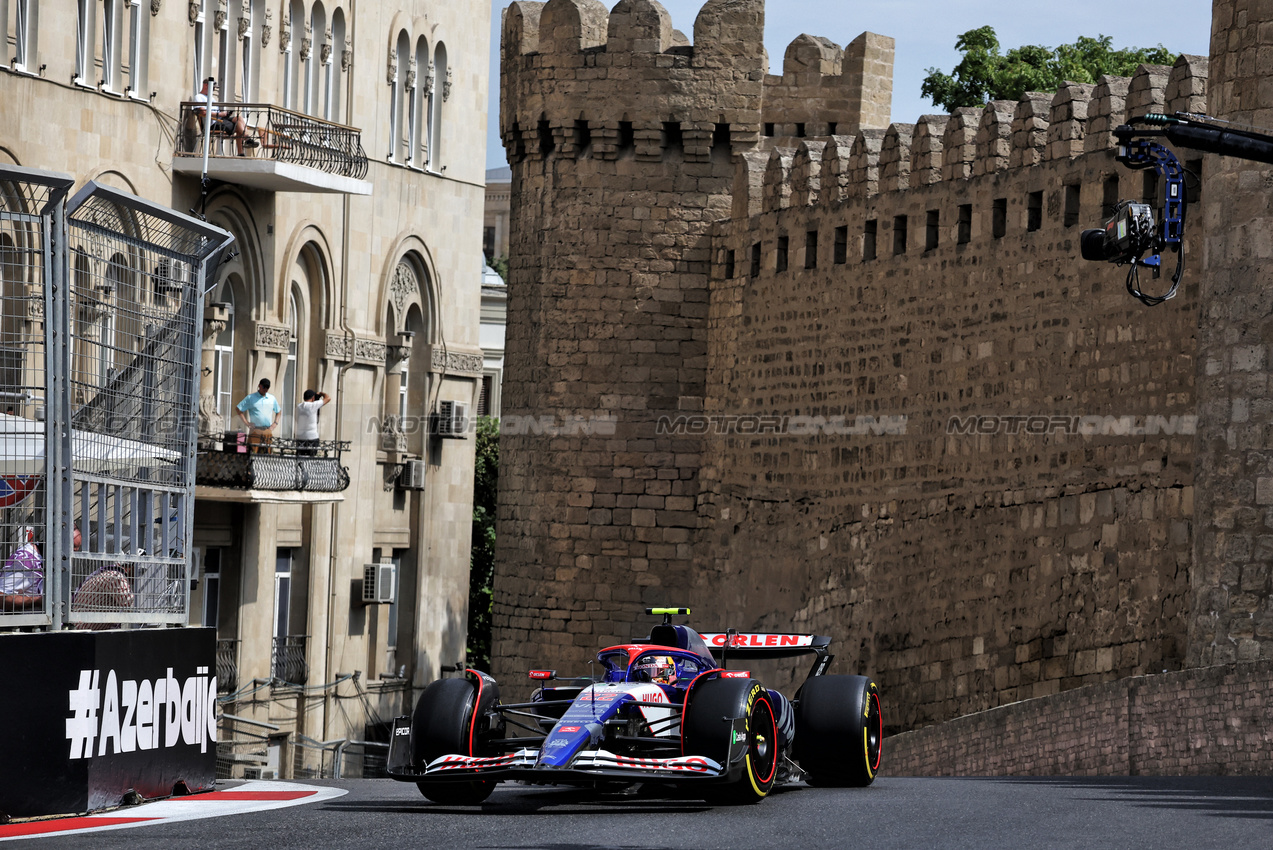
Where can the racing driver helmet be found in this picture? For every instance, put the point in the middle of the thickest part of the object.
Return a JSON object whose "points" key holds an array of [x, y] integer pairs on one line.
{"points": [[659, 669]]}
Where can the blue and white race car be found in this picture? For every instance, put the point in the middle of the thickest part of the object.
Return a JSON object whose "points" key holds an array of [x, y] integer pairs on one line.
{"points": [[664, 710]]}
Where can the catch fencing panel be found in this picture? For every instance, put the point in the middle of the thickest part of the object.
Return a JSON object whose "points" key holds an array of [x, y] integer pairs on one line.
{"points": [[136, 273], [31, 230]]}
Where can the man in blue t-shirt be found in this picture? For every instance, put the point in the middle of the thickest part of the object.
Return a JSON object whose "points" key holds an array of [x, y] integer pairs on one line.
{"points": [[260, 413]]}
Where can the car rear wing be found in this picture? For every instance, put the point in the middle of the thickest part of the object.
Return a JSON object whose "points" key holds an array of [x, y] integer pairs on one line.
{"points": [[726, 646]]}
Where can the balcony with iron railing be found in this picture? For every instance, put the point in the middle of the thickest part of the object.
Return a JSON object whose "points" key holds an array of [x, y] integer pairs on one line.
{"points": [[287, 661], [268, 147], [227, 666], [233, 469]]}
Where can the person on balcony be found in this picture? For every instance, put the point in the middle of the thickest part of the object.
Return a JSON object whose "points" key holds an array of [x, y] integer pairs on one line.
{"points": [[108, 588], [260, 414], [305, 428], [223, 122], [22, 577]]}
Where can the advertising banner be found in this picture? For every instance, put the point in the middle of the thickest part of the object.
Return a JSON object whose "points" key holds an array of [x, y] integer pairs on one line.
{"points": [[90, 716]]}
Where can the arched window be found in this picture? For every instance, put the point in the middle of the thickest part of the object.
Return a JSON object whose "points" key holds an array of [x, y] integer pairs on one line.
{"points": [[85, 37], [418, 147], [250, 53], [407, 329], [112, 43], [129, 325], [291, 60], [291, 377], [138, 50], [226, 61], [19, 27], [441, 86], [335, 66], [13, 307], [223, 363], [202, 62], [313, 61], [398, 94]]}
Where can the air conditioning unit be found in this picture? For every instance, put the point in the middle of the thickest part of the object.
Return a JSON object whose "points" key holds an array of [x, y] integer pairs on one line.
{"points": [[412, 475], [378, 583], [451, 420], [259, 773]]}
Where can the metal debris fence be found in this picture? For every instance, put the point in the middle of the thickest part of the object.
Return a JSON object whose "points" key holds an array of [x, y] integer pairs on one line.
{"points": [[99, 351]]}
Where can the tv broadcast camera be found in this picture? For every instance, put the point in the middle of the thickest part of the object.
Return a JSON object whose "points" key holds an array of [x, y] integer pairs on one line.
{"points": [[1131, 233]]}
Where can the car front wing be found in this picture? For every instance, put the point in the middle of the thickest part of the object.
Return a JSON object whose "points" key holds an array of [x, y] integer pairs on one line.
{"points": [[587, 765]]}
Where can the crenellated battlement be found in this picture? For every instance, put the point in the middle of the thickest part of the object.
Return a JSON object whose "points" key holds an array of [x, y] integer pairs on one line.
{"points": [[579, 80], [1001, 136]]}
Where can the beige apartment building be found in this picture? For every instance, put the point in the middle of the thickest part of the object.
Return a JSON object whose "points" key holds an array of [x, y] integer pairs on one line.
{"points": [[347, 158]]}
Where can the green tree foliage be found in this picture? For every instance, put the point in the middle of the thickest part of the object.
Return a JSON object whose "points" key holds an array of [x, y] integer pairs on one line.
{"points": [[500, 265], [984, 74], [482, 555]]}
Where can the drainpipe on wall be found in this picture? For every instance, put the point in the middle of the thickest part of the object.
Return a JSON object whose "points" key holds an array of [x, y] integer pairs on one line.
{"points": [[340, 400]]}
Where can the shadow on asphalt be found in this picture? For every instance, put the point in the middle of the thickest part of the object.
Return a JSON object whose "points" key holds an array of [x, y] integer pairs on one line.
{"points": [[519, 801], [1248, 797]]}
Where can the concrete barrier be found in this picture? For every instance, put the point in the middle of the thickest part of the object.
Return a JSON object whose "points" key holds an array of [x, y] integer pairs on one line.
{"points": [[91, 716]]}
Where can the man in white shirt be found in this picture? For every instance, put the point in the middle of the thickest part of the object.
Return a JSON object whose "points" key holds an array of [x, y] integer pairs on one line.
{"points": [[305, 429], [226, 123]]}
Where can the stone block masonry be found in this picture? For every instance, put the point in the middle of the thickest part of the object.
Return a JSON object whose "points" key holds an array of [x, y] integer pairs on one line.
{"points": [[1204, 721], [621, 137], [863, 385], [1026, 528]]}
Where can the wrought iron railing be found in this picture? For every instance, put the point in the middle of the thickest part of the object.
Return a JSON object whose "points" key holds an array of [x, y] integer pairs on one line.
{"points": [[227, 666], [263, 131], [287, 662], [300, 465]]}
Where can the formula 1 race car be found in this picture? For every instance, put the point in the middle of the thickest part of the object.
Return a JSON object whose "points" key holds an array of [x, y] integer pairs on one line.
{"points": [[665, 710]]}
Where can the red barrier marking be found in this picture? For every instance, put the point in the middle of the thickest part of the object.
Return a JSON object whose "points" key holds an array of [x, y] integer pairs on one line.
{"points": [[260, 796], [44, 827]]}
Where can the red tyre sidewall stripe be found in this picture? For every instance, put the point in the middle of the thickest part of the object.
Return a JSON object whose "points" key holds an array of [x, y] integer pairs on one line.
{"points": [[477, 702], [773, 740]]}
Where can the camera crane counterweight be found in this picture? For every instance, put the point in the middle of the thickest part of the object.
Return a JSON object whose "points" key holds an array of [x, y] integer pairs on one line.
{"points": [[1131, 232]]}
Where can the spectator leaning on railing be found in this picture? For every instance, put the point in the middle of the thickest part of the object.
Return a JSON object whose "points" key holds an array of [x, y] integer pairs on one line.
{"points": [[260, 413]]}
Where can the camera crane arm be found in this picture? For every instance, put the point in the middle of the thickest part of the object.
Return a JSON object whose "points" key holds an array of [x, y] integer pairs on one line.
{"points": [[1187, 131], [1130, 232]]}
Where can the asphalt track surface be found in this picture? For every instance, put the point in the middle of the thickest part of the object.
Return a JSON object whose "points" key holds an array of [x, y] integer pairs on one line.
{"points": [[980, 813]]}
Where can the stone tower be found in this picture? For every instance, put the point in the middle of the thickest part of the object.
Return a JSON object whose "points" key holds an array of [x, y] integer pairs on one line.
{"points": [[622, 137], [1233, 535]]}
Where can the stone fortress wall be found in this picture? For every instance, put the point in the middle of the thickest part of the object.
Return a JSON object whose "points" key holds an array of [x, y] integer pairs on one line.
{"points": [[702, 250], [898, 283]]}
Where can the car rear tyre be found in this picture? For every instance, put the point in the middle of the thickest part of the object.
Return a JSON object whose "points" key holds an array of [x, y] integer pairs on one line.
{"points": [[708, 730], [839, 731], [443, 724]]}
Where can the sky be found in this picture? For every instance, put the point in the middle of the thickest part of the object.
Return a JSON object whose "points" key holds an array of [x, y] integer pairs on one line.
{"points": [[925, 33]]}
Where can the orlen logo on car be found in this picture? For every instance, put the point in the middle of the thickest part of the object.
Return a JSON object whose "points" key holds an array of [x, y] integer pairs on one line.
{"points": [[568, 729], [760, 641], [735, 674]]}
